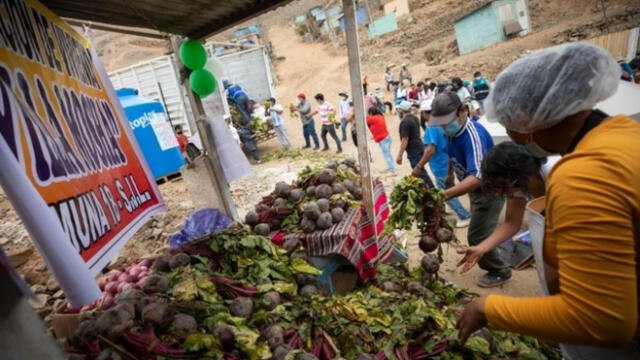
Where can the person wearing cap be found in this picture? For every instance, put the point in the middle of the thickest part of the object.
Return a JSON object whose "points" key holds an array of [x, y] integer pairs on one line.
{"points": [[468, 143], [344, 110], [410, 141], [308, 124], [588, 256], [326, 112], [240, 100], [275, 111], [378, 127], [435, 153], [380, 100]]}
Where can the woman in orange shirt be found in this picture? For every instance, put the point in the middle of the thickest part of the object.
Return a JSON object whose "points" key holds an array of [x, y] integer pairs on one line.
{"points": [[592, 206]]}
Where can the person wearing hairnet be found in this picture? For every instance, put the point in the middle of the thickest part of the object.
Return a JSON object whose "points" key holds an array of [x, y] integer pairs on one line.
{"points": [[592, 206]]}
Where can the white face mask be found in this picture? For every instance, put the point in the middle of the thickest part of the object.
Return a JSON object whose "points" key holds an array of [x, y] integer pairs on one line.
{"points": [[478, 78]]}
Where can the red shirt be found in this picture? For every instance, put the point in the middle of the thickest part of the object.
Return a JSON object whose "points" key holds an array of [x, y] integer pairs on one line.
{"points": [[414, 94], [378, 127], [183, 141]]}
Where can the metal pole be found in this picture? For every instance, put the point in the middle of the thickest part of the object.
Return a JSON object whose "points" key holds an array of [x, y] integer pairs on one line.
{"points": [[166, 109], [351, 32], [215, 169]]}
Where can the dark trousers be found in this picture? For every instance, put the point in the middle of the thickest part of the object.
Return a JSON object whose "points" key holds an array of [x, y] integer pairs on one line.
{"points": [[309, 131], [242, 105], [329, 129], [414, 159], [485, 210], [246, 136]]}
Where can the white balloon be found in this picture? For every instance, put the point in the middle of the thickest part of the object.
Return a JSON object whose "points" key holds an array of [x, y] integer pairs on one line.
{"points": [[215, 67]]}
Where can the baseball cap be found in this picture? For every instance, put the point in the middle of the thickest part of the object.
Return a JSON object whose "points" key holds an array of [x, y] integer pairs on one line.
{"points": [[344, 92], [302, 95], [404, 106], [444, 108], [426, 105]]}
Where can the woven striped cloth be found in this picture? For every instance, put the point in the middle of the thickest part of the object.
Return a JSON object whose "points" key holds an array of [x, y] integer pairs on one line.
{"points": [[352, 237]]}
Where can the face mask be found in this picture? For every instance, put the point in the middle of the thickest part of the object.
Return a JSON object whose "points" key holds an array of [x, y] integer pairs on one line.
{"points": [[534, 150], [452, 128], [478, 78]]}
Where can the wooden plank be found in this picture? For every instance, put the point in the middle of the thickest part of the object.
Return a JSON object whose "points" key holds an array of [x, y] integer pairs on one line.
{"points": [[355, 75], [214, 167]]}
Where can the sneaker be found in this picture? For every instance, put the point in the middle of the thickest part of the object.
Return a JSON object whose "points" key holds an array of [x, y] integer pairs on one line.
{"points": [[339, 151], [306, 146], [494, 279], [463, 223], [325, 149], [317, 147]]}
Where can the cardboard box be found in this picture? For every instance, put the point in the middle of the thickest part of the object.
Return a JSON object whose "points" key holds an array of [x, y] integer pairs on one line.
{"points": [[64, 324]]}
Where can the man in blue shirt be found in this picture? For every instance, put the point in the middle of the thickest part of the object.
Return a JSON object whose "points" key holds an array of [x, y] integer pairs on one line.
{"points": [[468, 142], [435, 152], [275, 111], [240, 100]]}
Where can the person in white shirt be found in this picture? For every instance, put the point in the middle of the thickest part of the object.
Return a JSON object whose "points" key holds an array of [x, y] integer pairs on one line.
{"points": [[344, 110], [275, 111], [327, 117], [462, 91], [388, 78], [232, 129]]}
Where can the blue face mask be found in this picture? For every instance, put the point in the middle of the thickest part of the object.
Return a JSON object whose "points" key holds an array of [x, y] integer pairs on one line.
{"points": [[534, 150], [451, 128]]}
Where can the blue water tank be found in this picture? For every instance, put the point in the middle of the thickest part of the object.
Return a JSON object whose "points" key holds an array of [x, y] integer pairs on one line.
{"points": [[153, 132]]}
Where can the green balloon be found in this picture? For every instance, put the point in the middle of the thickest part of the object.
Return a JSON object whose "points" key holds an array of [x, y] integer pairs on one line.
{"points": [[192, 54], [202, 82]]}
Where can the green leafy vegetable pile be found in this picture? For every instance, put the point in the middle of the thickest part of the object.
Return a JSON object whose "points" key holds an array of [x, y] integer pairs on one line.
{"points": [[235, 295]]}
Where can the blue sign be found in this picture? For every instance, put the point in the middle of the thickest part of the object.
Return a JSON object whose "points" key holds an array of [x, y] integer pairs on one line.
{"points": [[153, 132]]}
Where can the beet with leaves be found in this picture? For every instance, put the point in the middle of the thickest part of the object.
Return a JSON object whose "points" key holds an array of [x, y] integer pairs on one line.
{"points": [[324, 205], [305, 356], [155, 284], [296, 196], [430, 263], [226, 337], [428, 244], [308, 226], [185, 324], [262, 229], [291, 245], [115, 321], [161, 263], [157, 314], [242, 307], [309, 290], [312, 211], [281, 352], [337, 214], [252, 218], [325, 221], [179, 260], [444, 235], [282, 189], [324, 191], [327, 177], [271, 300], [274, 335], [390, 286]]}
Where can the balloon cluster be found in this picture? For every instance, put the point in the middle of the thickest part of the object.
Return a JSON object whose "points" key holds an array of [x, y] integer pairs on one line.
{"points": [[203, 79]]}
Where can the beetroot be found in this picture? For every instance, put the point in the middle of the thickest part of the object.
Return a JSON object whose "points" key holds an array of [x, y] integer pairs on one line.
{"points": [[307, 226], [305, 356], [311, 191], [157, 314], [390, 286], [416, 288], [242, 307], [279, 203], [185, 324], [299, 255], [226, 336], [444, 235], [325, 221], [339, 188], [274, 335], [179, 260], [323, 191], [262, 229], [86, 331], [131, 296], [327, 177], [115, 321], [271, 300], [430, 263], [162, 263], [296, 196], [309, 290], [312, 211], [282, 189], [427, 244], [281, 352], [291, 245], [252, 218], [304, 279], [155, 284], [324, 205], [337, 214], [366, 357]]}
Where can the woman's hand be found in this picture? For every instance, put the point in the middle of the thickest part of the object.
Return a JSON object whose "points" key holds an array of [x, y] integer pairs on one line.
{"points": [[472, 319], [472, 255], [399, 160]]}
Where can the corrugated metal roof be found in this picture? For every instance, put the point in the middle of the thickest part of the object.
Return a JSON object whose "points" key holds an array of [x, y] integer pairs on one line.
{"points": [[191, 18]]}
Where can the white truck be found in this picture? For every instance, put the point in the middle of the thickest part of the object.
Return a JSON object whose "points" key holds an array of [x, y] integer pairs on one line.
{"points": [[159, 79]]}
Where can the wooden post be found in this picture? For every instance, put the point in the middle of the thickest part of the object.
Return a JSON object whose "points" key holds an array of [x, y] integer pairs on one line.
{"points": [[210, 152], [351, 32]]}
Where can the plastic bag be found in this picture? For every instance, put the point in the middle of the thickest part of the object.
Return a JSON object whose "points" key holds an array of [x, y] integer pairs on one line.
{"points": [[199, 224]]}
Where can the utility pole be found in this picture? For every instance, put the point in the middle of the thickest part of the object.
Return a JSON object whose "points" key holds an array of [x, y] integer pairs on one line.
{"points": [[353, 52]]}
